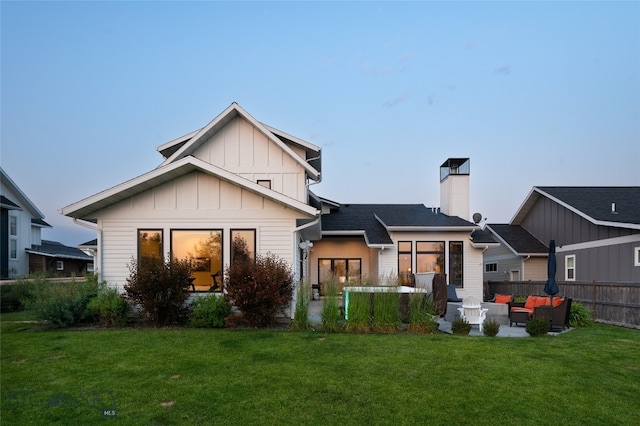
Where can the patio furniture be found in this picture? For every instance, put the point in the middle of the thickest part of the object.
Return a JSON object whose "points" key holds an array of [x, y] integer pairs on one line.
{"points": [[473, 312], [452, 296], [559, 312], [216, 286]]}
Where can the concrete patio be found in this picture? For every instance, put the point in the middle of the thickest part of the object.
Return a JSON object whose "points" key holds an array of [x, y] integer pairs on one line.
{"points": [[315, 317]]}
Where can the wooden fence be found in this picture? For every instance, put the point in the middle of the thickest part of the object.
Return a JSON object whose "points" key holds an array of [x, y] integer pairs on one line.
{"points": [[614, 303]]}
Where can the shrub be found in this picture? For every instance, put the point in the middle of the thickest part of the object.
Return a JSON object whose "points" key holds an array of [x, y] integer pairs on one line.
{"points": [[580, 315], [490, 328], [109, 307], [422, 314], [460, 326], [538, 326], [14, 297], [209, 311], [160, 287], [300, 320], [259, 288], [63, 304], [330, 315], [359, 313]]}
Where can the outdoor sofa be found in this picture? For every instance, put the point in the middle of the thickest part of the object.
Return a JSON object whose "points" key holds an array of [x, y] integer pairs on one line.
{"points": [[557, 309]]}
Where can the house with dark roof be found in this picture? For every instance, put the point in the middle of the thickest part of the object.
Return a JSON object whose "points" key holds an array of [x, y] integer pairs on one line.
{"points": [[596, 230], [55, 259], [238, 178]]}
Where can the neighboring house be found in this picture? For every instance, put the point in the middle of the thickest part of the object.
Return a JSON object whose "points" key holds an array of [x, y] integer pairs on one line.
{"points": [[20, 228], [596, 230], [238, 178], [56, 259]]}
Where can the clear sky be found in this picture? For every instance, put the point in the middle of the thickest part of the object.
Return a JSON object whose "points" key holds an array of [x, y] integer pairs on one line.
{"points": [[535, 93]]}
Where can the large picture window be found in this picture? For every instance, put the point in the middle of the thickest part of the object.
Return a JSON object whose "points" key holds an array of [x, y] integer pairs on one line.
{"points": [[150, 243], [430, 256], [203, 248], [455, 263], [405, 261]]}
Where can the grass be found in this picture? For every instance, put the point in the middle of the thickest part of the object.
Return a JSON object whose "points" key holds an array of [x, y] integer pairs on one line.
{"points": [[238, 377]]}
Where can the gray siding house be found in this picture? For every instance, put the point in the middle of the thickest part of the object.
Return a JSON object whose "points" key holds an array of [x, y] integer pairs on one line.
{"points": [[596, 229]]}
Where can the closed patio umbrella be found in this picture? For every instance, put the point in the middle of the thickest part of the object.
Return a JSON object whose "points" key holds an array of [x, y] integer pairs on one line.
{"points": [[551, 287]]}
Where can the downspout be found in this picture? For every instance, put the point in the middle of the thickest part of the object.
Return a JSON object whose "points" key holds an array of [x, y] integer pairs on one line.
{"points": [[98, 230]]}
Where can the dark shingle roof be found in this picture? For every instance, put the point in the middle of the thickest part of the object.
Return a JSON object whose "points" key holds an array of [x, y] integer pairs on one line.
{"points": [[595, 201], [519, 239], [371, 219], [56, 249]]}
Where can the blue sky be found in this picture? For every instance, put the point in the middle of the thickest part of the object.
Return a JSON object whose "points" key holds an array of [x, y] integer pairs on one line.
{"points": [[535, 93]]}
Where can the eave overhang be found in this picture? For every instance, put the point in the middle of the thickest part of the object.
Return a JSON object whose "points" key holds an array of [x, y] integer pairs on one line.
{"points": [[85, 209]]}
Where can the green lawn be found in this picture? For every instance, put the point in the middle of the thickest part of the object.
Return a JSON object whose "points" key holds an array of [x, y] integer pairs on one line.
{"points": [[263, 377]]}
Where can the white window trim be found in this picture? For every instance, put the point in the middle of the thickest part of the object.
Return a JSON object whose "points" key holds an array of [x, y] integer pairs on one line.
{"points": [[59, 265], [636, 256], [486, 267], [566, 267]]}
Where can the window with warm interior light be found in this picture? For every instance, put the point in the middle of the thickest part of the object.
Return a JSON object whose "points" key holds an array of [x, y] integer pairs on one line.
{"points": [[203, 248], [243, 243], [405, 262], [149, 243], [430, 256], [345, 271]]}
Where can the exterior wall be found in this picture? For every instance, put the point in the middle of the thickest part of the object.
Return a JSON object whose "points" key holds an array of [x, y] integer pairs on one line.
{"points": [[548, 220], [603, 253], [534, 268], [194, 201], [342, 248], [48, 265], [241, 149], [609, 260], [18, 267]]}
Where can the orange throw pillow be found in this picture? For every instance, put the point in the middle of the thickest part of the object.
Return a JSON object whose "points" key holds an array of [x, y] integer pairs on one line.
{"points": [[557, 301], [503, 298]]}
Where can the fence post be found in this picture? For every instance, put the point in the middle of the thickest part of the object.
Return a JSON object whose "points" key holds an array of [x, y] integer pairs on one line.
{"points": [[594, 296]]}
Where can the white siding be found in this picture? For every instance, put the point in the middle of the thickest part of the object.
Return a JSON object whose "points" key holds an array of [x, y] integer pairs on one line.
{"points": [[194, 201], [242, 149]]}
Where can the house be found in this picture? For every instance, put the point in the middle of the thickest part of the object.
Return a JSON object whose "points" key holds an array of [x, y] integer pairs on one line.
{"points": [[20, 228], [596, 230], [54, 258], [240, 179]]}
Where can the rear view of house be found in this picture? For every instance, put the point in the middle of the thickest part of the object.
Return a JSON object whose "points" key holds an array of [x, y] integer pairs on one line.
{"points": [[240, 179]]}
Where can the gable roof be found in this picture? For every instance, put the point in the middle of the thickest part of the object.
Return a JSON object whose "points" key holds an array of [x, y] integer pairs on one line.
{"points": [[20, 197], [187, 144], [518, 240], [85, 209], [593, 203], [59, 250], [375, 221]]}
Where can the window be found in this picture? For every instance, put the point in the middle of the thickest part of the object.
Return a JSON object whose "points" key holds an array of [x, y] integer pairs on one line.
{"points": [[430, 256], [570, 268], [405, 262], [243, 241], [491, 267], [13, 237], [636, 256], [149, 243], [265, 182], [203, 248], [59, 265], [90, 267], [455, 263], [344, 270]]}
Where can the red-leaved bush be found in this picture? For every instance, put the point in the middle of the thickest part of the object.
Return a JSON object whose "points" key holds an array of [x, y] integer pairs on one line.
{"points": [[259, 288]]}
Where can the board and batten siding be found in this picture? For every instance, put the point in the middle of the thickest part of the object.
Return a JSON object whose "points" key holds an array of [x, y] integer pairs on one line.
{"points": [[183, 203], [242, 149]]}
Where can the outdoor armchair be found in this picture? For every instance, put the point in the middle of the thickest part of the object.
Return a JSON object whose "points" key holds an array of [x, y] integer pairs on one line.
{"points": [[473, 312]]}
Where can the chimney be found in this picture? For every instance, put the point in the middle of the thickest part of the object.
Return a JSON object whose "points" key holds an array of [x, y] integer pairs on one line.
{"points": [[454, 187]]}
